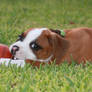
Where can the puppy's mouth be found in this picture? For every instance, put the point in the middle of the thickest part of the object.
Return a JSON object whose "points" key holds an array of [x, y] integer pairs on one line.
{"points": [[14, 58], [17, 58]]}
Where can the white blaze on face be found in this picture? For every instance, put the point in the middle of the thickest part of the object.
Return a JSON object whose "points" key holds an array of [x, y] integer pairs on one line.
{"points": [[25, 51], [32, 35]]}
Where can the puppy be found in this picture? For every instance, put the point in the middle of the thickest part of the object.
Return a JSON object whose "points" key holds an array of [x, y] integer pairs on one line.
{"points": [[46, 45]]}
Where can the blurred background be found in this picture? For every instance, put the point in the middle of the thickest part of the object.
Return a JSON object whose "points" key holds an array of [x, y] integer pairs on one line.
{"points": [[17, 16]]}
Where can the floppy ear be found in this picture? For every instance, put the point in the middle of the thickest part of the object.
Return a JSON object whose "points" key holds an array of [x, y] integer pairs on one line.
{"points": [[56, 31], [60, 46]]}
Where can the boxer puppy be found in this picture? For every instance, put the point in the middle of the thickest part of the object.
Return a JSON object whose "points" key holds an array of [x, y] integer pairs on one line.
{"points": [[45, 45]]}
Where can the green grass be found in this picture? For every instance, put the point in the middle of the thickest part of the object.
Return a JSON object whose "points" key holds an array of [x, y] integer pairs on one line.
{"points": [[17, 16]]}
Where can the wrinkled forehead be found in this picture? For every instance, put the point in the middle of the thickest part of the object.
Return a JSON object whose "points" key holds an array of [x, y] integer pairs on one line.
{"points": [[33, 33]]}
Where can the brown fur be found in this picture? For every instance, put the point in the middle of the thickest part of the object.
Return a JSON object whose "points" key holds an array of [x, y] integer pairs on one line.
{"points": [[76, 45], [80, 40]]}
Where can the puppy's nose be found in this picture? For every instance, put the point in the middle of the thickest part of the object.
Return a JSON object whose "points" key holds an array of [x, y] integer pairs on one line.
{"points": [[14, 49]]}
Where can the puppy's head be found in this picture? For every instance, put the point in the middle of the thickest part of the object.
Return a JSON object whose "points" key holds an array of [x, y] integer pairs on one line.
{"points": [[39, 44]]}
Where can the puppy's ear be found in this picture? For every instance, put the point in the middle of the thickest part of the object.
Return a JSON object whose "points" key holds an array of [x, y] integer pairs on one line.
{"points": [[60, 46], [56, 31]]}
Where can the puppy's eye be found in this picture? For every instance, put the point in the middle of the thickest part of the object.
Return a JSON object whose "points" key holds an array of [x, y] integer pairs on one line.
{"points": [[20, 37], [35, 46]]}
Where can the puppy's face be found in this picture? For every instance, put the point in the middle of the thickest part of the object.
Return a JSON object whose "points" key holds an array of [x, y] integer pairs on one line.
{"points": [[34, 44]]}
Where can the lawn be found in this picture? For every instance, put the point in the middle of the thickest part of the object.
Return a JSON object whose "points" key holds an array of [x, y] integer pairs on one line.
{"points": [[16, 16]]}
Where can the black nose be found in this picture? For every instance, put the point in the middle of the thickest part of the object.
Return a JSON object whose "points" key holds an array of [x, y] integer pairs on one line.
{"points": [[14, 49]]}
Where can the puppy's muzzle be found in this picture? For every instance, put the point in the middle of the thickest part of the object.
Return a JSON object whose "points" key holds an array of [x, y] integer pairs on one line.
{"points": [[14, 49]]}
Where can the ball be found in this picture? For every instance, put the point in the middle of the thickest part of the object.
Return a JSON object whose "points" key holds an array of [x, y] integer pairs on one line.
{"points": [[4, 51]]}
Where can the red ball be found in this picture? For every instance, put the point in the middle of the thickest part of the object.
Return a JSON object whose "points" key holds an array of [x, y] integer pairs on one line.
{"points": [[4, 51]]}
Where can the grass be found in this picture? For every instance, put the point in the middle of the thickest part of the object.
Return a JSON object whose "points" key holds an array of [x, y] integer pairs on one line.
{"points": [[17, 16]]}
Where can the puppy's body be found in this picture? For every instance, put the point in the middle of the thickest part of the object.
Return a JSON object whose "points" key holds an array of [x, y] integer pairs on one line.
{"points": [[45, 45], [80, 45]]}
